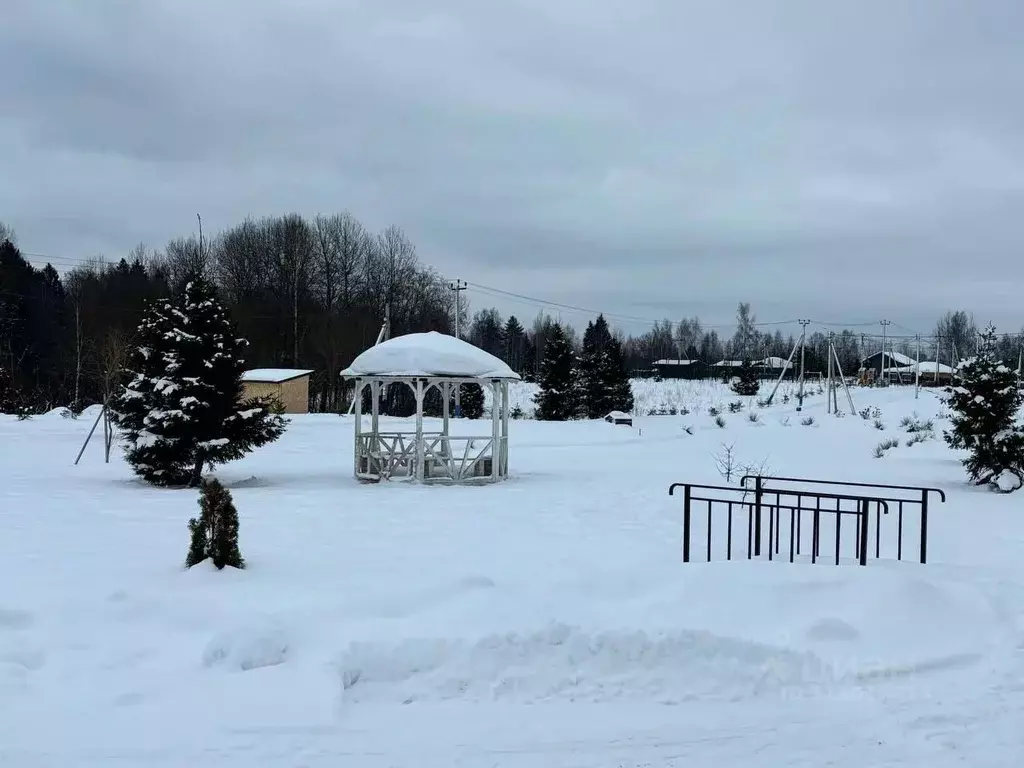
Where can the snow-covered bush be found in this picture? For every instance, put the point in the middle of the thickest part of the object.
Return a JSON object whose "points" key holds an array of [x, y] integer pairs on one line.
{"points": [[915, 423], [884, 446], [214, 534]]}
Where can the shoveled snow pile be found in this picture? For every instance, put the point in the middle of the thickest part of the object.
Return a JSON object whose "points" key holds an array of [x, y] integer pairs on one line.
{"points": [[429, 354], [1008, 481]]}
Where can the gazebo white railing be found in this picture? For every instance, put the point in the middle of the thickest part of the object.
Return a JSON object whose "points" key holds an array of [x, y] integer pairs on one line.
{"points": [[424, 362]]}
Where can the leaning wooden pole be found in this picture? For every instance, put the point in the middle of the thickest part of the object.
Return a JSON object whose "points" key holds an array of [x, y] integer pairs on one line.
{"points": [[89, 437]]}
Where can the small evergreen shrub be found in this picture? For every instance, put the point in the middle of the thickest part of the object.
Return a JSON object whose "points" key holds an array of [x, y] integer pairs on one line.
{"points": [[720, 421], [915, 423], [752, 417], [747, 383], [807, 422], [879, 425], [713, 412], [214, 534], [516, 412], [735, 406], [884, 446]]}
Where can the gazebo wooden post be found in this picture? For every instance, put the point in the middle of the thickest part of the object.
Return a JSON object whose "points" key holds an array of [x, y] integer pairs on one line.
{"points": [[375, 411], [446, 393], [418, 389], [495, 429], [358, 410], [504, 429]]}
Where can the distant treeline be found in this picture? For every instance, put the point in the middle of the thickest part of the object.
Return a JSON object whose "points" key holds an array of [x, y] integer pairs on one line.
{"points": [[313, 293]]}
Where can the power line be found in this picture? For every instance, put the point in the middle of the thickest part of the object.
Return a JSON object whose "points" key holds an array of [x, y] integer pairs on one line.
{"points": [[545, 303], [536, 301]]}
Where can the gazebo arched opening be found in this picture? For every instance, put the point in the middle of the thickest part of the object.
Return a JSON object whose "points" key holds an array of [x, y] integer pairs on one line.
{"points": [[425, 362]]}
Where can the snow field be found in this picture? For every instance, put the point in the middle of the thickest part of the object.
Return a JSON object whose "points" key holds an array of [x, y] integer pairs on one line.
{"points": [[544, 621]]}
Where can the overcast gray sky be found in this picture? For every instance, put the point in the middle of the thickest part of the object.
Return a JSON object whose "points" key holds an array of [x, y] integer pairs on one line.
{"points": [[842, 161]]}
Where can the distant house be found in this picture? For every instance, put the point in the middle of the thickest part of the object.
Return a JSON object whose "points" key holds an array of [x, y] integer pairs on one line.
{"points": [[770, 366], [885, 360], [932, 373], [680, 369], [776, 363], [618, 417], [289, 385]]}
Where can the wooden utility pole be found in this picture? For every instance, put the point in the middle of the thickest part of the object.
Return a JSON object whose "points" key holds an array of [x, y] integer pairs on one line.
{"points": [[917, 372], [885, 376], [803, 346], [458, 286], [829, 389]]}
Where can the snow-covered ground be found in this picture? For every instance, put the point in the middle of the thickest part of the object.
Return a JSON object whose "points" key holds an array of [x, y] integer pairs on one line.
{"points": [[546, 621], [652, 396]]}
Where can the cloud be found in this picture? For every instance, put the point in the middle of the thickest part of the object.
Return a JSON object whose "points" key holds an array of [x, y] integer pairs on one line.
{"points": [[652, 157]]}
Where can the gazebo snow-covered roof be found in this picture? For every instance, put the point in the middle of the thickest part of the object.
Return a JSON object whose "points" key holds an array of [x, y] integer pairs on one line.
{"points": [[425, 362], [428, 354]]}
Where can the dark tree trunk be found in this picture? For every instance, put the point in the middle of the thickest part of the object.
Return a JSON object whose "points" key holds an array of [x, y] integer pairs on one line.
{"points": [[197, 473]]}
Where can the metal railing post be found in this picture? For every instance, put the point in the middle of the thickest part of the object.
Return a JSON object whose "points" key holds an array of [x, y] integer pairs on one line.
{"points": [[924, 525], [758, 491], [865, 516], [686, 523]]}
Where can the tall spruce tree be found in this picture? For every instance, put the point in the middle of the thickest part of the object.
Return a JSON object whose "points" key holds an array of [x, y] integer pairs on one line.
{"points": [[596, 400], [183, 408], [558, 398], [513, 337], [604, 378], [616, 377], [985, 402]]}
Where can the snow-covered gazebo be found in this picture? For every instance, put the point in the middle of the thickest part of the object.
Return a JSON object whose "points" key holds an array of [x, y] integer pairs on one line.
{"points": [[424, 361]]}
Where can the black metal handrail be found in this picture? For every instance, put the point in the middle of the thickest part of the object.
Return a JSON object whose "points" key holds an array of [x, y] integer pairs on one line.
{"points": [[695, 493], [922, 500]]}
